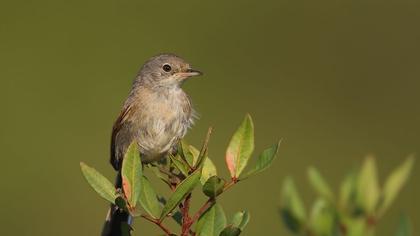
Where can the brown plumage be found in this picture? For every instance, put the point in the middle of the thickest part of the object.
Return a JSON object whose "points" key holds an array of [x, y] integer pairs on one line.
{"points": [[156, 114]]}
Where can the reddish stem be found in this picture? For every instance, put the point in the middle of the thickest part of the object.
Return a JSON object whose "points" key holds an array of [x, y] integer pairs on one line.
{"points": [[203, 209], [186, 220], [371, 221], [230, 184], [158, 223]]}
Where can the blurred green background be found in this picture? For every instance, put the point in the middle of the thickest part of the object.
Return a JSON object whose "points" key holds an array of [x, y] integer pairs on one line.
{"points": [[336, 79]]}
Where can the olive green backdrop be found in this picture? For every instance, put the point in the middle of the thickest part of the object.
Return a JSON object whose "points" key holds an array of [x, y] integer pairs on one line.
{"points": [[336, 79]]}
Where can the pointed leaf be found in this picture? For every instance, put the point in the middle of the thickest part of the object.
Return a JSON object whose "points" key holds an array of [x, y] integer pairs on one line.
{"points": [[322, 221], [214, 186], [132, 172], [212, 222], [99, 183], [292, 210], [348, 191], [240, 148], [180, 164], [395, 182], [404, 227], [209, 170], [319, 184], [368, 188], [183, 189], [186, 153], [148, 199], [265, 160], [241, 219], [202, 156], [176, 215], [194, 153]]}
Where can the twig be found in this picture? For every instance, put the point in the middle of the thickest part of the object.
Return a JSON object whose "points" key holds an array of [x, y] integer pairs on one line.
{"points": [[230, 184], [158, 223], [203, 209], [186, 221]]}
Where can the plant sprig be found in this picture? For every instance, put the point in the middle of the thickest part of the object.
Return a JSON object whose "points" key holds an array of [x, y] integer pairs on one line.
{"points": [[355, 211], [184, 172]]}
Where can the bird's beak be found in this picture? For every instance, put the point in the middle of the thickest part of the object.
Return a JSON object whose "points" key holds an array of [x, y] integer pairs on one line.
{"points": [[189, 73], [193, 72]]}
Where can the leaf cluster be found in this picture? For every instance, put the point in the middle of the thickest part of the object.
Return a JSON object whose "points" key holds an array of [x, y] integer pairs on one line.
{"points": [[354, 211], [183, 172]]}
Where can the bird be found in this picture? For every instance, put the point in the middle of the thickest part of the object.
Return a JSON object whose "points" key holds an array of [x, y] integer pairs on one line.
{"points": [[156, 115]]}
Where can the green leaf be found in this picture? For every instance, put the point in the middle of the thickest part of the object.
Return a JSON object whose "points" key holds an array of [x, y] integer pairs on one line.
{"points": [[291, 222], [319, 184], [241, 219], [212, 222], [209, 170], [186, 153], [348, 192], [368, 191], [99, 183], [180, 164], [356, 227], [395, 182], [194, 153], [231, 231], [292, 209], [265, 160], [404, 227], [132, 172], [322, 220], [176, 215], [214, 186], [183, 189], [240, 148], [202, 156], [148, 199]]}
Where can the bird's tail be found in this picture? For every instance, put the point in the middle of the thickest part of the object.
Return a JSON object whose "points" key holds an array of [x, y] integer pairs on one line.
{"points": [[116, 219]]}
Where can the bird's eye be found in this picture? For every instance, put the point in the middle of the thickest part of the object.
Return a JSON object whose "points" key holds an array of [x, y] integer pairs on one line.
{"points": [[166, 68]]}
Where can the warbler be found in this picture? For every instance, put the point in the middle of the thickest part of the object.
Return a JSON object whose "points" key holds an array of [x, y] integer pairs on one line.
{"points": [[156, 115]]}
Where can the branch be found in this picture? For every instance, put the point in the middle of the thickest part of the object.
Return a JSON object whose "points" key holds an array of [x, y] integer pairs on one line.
{"points": [[158, 223], [211, 202], [230, 184], [186, 221], [203, 209]]}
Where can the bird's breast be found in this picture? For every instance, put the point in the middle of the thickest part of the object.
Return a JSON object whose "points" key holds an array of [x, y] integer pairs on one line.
{"points": [[164, 120]]}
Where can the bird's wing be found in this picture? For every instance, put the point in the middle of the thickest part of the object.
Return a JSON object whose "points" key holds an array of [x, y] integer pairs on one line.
{"points": [[119, 124]]}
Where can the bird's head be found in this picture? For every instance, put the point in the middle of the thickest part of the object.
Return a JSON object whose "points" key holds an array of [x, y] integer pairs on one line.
{"points": [[166, 70]]}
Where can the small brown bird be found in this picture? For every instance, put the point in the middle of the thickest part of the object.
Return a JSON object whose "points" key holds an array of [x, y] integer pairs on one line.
{"points": [[156, 114]]}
